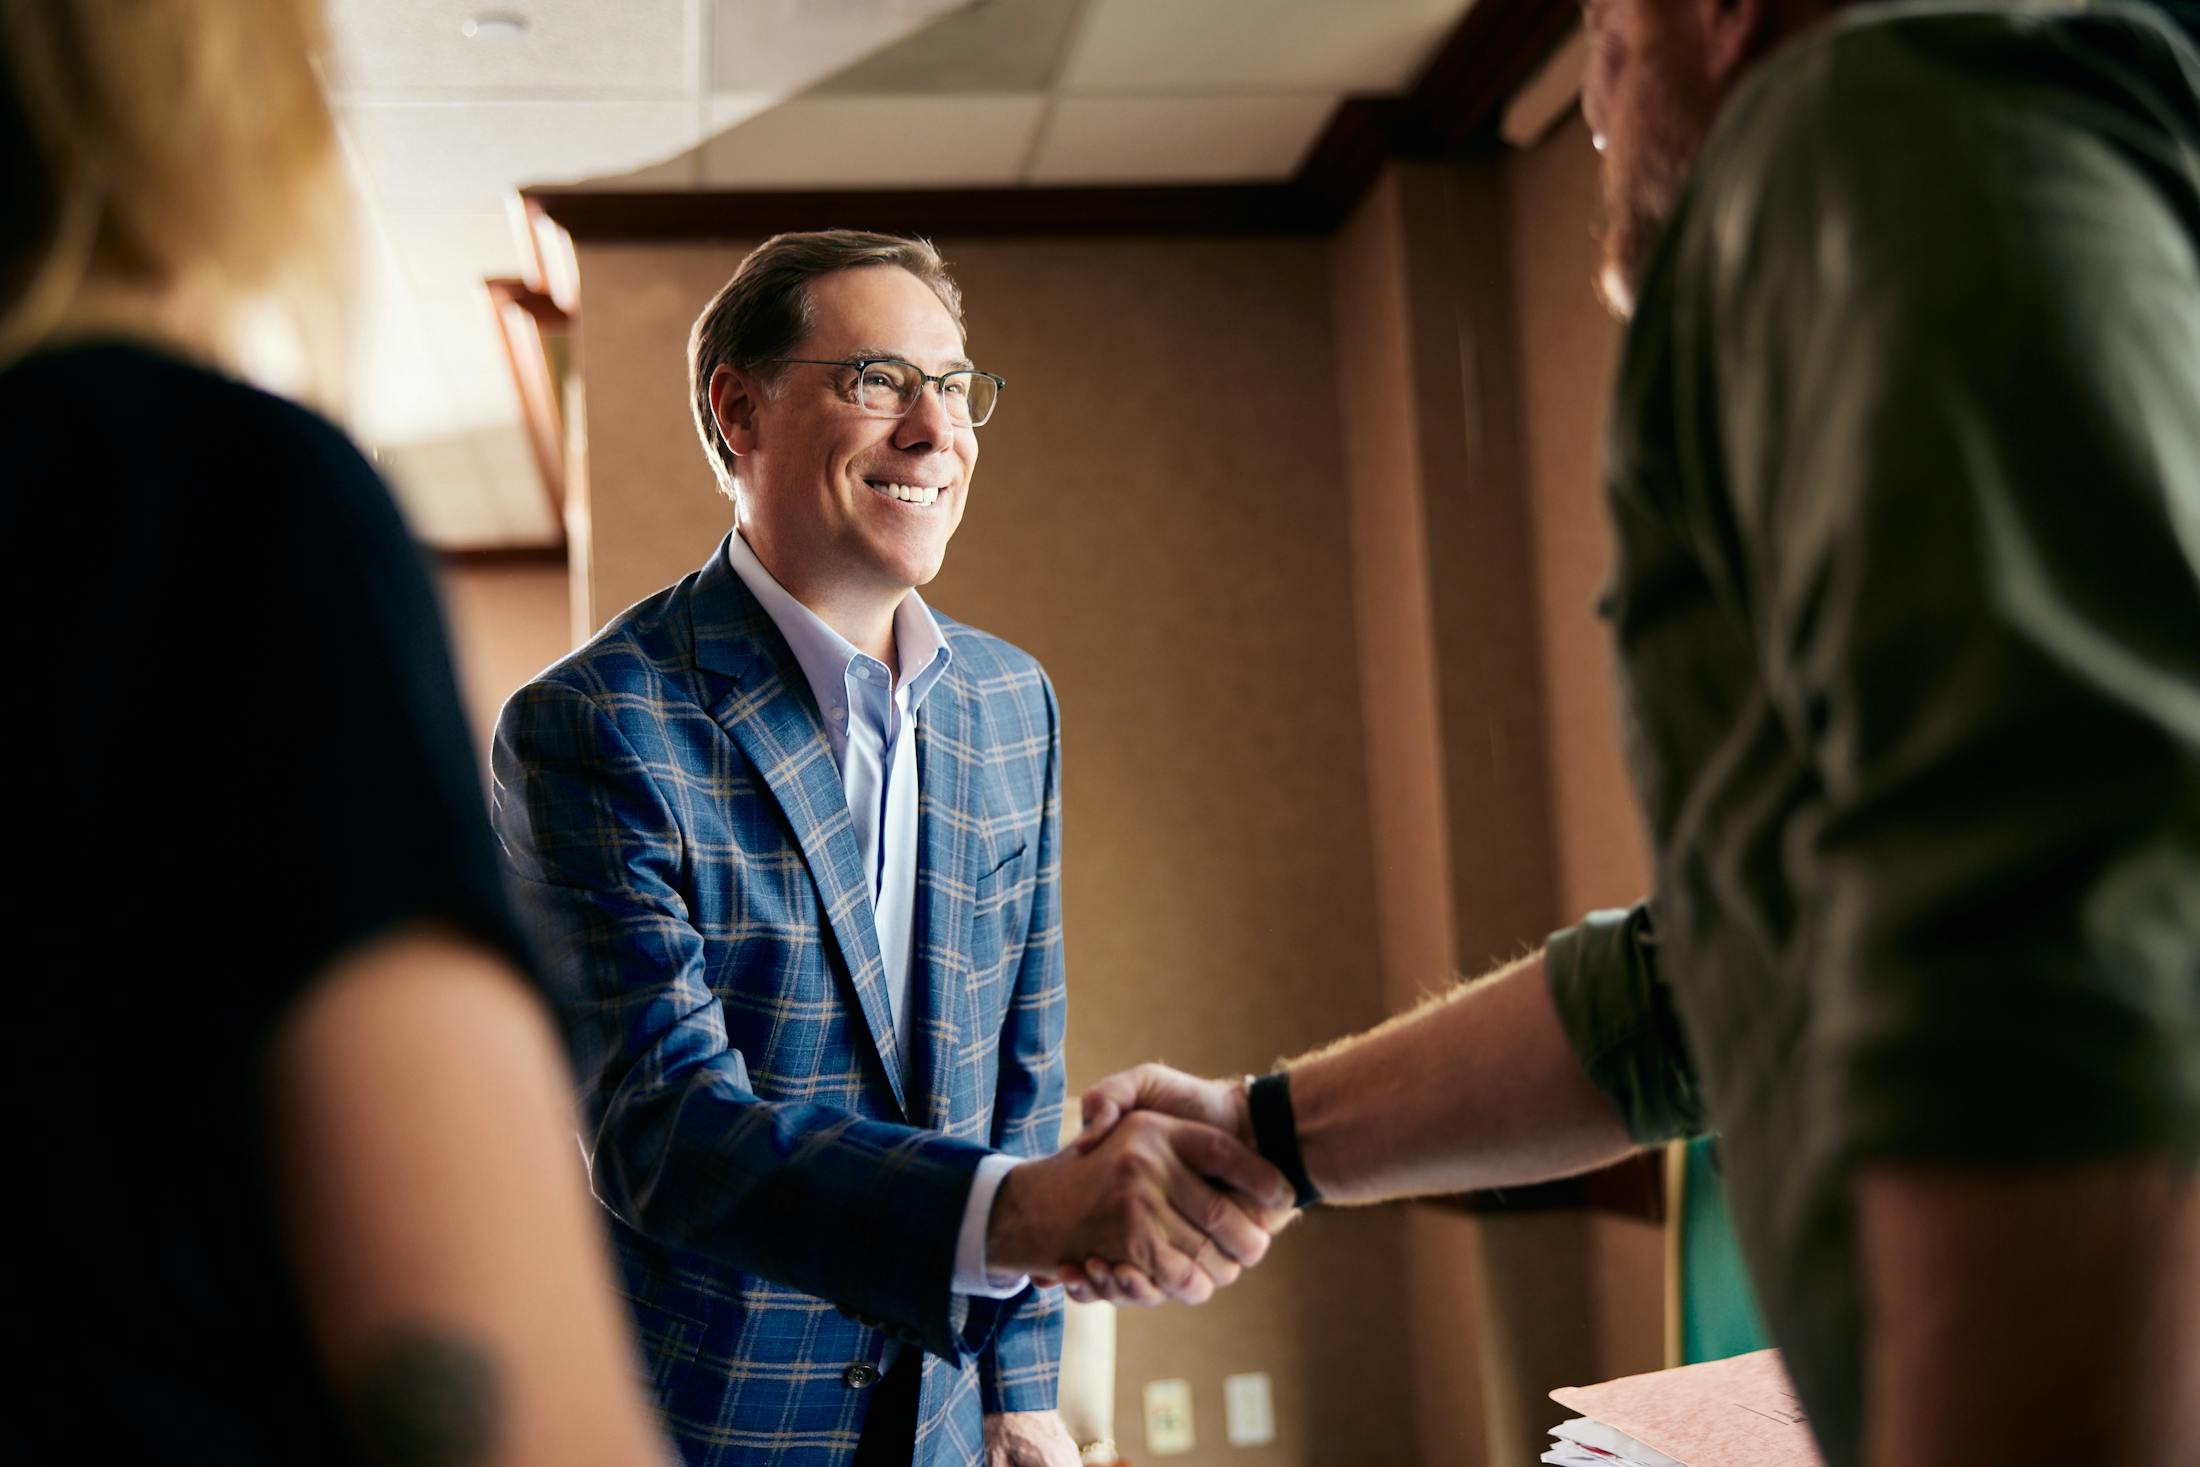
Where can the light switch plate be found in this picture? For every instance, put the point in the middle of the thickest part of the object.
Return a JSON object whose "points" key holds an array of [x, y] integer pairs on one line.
{"points": [[1168, 1417], [1248, 1409]]}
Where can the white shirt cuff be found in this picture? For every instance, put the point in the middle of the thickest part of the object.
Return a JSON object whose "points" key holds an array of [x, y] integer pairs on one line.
{"points": [[971, 1275]]}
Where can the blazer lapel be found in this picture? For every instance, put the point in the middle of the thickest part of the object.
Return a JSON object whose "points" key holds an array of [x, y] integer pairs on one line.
{"points": [[768, 712], [948, 830]]}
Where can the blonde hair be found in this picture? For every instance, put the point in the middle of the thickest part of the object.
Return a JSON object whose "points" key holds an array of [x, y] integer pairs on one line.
{"points": [[764, 310], [175, 160]]}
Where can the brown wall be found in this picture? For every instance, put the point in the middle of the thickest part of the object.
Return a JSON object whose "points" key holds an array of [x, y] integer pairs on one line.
{"points": [[1463, 461], [1565, 354], [1568, 350], [508, 622]]}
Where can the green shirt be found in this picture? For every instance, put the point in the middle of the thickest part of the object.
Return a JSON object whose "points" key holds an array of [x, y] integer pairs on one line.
{"points": [[1905, 471]]}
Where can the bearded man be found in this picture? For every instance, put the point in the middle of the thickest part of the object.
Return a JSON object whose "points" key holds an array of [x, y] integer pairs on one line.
{"points": [[1904, 469]]}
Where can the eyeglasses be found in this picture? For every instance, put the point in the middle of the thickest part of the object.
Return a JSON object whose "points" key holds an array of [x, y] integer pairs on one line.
{"points": [[887, 387]]}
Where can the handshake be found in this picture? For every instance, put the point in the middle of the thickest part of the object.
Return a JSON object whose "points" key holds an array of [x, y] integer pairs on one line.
{"points": [[1161, 1197]]}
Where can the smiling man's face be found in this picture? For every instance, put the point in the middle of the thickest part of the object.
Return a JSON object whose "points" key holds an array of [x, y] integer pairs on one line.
{"points": [[840, 506]]}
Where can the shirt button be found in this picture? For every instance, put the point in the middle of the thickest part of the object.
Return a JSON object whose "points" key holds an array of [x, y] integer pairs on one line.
{"points": [[840, 715], [859, 1376]]}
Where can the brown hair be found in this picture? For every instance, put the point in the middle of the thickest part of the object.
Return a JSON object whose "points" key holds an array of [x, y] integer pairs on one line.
{"points": [[764, 310]]}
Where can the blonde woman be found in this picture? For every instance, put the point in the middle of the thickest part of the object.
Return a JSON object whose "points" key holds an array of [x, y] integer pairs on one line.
{"points": [[290, 1130]]}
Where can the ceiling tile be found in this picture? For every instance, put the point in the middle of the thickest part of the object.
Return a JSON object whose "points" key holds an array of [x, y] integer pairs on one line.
{"points": [[783, 46], [514, 484], [1016, 46], [887, 142], [1146, 46], [467, 350], [426, 157], [578, 48], [422, 371], [1177, 139], [445, 257], [454, 499], [471, 486], [722, 110]]}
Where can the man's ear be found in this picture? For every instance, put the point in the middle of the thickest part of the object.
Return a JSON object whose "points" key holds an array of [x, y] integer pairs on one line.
{"points": [[734, 396], [1733, 35]]}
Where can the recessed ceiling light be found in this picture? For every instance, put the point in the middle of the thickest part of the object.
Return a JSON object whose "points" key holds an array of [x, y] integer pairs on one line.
{"points": [[495, 25]]}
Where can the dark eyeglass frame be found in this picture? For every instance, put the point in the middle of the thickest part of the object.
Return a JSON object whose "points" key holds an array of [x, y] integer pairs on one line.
{"points": [[860, 364]]}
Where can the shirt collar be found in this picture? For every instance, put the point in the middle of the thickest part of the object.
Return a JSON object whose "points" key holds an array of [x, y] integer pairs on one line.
{"points": [[824, 654]]}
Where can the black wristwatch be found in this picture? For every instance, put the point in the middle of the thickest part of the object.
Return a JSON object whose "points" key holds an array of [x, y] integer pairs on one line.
{"points": [[1276, 1132]]}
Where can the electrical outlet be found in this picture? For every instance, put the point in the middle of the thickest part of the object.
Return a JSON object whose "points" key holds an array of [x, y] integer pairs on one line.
{"points": [[1168, 1417], [1248, 1409]]}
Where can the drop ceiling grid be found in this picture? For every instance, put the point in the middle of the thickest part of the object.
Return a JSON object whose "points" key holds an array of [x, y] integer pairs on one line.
{"points": [[777, 94]]}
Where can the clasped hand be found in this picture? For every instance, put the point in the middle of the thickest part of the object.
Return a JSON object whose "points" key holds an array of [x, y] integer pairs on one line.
{"points": [[1160, 1198], [1165, 1207]]}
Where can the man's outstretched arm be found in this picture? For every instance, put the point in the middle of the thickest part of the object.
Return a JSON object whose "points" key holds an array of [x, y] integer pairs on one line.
{"points": [[1479, 1087]]}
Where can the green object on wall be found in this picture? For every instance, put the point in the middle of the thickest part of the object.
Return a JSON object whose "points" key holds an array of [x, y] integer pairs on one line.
{"points": [[1718, 1306]]}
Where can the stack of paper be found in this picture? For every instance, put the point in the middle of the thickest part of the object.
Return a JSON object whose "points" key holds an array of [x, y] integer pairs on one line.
{"points": [[1726, 1413], [1585, 1443]]}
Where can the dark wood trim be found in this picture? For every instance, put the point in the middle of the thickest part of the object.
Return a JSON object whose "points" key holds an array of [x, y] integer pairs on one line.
{"points": [[600, 215], [1451, 111], [522, 315], [1454, 107], [1344, 161], [550, 267], [545, 311], [476, 557]]}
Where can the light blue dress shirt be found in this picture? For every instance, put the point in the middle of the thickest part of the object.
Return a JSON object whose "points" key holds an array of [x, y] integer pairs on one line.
{"points": [[870, 721]]}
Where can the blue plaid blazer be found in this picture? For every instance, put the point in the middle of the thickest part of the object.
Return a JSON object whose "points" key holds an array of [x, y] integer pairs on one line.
{"points": [[678, 837]]}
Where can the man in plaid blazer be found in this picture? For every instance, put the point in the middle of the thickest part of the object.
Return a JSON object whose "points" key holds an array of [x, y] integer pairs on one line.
{"points": [[792, 841]]}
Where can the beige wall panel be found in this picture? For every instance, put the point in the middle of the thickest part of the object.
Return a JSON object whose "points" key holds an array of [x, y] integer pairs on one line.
{"points": [[1379, 413], [1378, 416], [654, 511], [1159, 515], [508, 622], [1629, 1278], [1568, 350], [1481, 569]]}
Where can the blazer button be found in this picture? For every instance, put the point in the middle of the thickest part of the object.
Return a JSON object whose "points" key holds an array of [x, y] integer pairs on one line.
{"points": [[859, 1376]]}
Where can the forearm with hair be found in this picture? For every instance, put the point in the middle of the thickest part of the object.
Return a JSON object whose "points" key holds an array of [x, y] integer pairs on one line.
{"points": [[1476, 1088]]}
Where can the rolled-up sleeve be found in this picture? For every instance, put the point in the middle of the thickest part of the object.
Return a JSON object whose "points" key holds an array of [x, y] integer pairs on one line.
{"points": [[1618, 1016]]}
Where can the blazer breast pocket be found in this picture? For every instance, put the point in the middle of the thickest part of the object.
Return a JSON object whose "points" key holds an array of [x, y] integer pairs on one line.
{"points": [[997, 890], [1001, 865]]}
